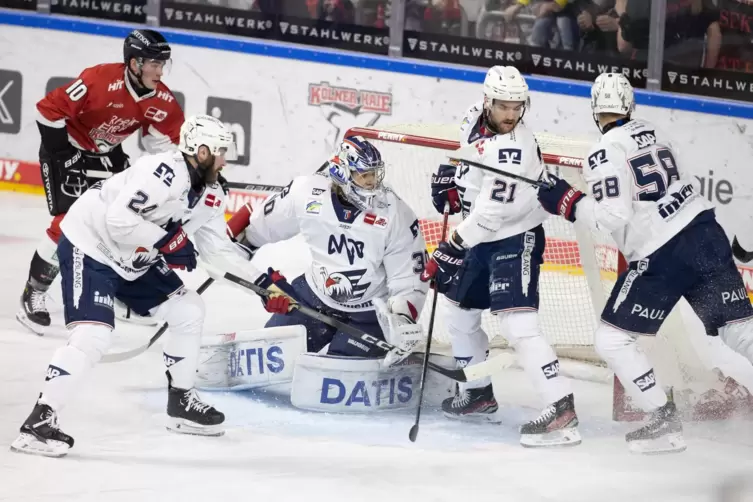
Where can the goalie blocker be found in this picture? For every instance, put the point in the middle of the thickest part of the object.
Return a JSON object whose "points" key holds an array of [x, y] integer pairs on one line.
{"points": [[275, 358]]}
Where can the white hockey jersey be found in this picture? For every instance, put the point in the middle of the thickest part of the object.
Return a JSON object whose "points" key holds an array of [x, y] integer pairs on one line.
{"points": [[118, 221], [640, 193], [495, 207], [356, 255]]}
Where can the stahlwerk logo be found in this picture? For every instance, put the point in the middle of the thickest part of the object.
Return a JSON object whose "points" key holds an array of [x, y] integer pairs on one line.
{"points": [[333, 34], [346, 107], [569, 64], [191, 15], [465, 50], [720, 83], [10, 101], [236, 115], [103, 6]]}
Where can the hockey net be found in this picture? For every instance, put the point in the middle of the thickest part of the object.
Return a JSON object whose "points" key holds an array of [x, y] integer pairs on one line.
{"points": [[580, 265]]}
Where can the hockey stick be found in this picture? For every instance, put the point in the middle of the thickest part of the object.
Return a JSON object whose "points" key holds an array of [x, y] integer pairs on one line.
{"points": [[453, 374], [413, 434], [116, 357], [536, 183]]}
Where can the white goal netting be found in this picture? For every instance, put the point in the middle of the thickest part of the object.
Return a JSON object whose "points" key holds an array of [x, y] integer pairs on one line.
{"points": [[580, 267]]}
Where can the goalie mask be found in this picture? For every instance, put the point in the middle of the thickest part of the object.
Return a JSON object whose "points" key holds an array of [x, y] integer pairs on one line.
{"points": [[357, 170], [612, 93]]}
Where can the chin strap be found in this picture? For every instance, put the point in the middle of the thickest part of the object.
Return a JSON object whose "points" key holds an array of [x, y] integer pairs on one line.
{"points": [[617, 123]]}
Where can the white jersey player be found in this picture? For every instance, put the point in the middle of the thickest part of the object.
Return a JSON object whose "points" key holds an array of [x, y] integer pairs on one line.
{"points": [[121, 239], [492, 259], [668, 232], [366, 247]]}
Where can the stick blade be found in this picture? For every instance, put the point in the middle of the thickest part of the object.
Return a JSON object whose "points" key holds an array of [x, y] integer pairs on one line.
{"points": [[413, 434]]}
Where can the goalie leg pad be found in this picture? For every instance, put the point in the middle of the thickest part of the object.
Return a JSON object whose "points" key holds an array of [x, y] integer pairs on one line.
{"points": [[355, 385]]}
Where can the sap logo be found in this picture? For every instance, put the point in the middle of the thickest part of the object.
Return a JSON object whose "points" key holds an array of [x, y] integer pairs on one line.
{"points": [[510, 156], [166, 96], [256, 361], [734, 296], [170, 360], [551, 370], [462, 362], [115, 86], [54, 372], [352, 247], [373, 394], [680, 197], [646, 380], [647, 313], [597, 158], [645, 139], [317, 191]]}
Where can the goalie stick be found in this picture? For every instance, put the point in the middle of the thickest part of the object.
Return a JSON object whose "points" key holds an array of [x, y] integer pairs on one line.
{"points": [[460, 375]]}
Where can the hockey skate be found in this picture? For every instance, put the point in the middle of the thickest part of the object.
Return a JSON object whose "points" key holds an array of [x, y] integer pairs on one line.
{"points": [[33, 313], [187, 414], [556, 426], [662, 434], [474, 405], [40, 434]]}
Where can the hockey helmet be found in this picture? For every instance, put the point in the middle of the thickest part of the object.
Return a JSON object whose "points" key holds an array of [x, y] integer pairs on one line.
{"points": [[205, 130], [504, 83], [612, 93], [357, 156], [145, 44]]}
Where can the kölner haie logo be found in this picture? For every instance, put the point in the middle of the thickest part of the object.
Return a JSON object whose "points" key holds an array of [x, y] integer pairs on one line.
{"points": [[10, 101], [236, 114], [346, 107]]}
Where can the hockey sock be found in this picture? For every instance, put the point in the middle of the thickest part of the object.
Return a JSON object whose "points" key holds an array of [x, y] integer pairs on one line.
{"points": [[739, 337], [470, 344], [86, 345], [536, 356], [184, 312], [43, 271], [621, 352]]}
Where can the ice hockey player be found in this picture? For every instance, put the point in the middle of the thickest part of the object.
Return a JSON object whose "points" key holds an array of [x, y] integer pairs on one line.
{"points": [[641, 194], [82, 127], [122, 239], [367, 253], [492, 259]]}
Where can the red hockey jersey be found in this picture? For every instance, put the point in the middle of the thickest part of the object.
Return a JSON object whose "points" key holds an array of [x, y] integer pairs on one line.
{"points": [[101, 109]]}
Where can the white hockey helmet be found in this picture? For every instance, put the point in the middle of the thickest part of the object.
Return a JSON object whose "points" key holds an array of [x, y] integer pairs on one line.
{"points": [[612, 93], [506, 84], [207, 131]]}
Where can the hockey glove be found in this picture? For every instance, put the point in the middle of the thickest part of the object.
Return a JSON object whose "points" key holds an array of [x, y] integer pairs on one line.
{"points": [[397, 318], [72, 167], [281, 297], [560, 198], [176, 248], [444, 264], [444, 191]]}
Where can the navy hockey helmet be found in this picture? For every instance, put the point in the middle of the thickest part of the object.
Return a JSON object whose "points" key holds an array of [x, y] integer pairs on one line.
{"points": [[145, 44]]}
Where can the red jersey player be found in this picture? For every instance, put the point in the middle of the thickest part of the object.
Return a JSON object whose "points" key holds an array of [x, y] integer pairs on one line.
{"points": [[83, 126]]}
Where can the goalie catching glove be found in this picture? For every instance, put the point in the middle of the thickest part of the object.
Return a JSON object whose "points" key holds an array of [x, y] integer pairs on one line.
{"points": [[281, 299], [397, 317]]}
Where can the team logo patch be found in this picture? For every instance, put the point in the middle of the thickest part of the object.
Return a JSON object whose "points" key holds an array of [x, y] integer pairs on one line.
{"points": [[343, 287], [212, 201], [313, 207], [377, 221]]}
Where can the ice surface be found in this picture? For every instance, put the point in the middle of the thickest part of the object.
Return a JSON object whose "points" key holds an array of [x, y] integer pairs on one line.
{"points": [[273, 452]]}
